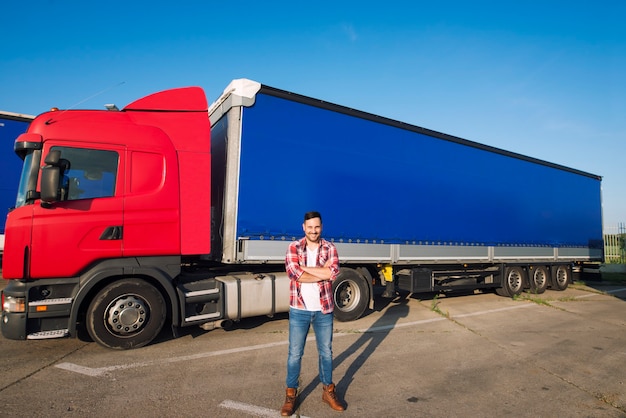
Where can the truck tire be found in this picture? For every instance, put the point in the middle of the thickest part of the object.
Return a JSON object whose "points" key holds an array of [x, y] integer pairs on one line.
{"points": [[512, 283], [561, 277], [351, 295], [539, 279], [126, 314]]}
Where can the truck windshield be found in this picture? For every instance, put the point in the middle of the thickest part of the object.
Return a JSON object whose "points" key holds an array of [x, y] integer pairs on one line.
{"points": [[28, 179]]}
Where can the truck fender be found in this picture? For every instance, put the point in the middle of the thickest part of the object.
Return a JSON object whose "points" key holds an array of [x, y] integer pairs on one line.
{"points": [[109, 271]]}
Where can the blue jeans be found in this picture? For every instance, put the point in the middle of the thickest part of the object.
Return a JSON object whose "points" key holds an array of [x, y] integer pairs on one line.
{"points": [[299, 324]]}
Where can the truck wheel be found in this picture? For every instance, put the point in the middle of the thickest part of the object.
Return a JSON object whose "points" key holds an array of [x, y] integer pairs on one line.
{"points": [[126, 314], [561, 277], [351, 295], [539, 280], [513, 282]]}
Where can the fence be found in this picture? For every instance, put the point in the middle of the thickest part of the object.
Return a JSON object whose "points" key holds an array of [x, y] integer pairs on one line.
{"points": [[614, 240]]}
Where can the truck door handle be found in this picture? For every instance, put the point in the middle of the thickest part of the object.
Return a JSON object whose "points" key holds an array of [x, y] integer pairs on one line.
{"points": [[112, 233]]}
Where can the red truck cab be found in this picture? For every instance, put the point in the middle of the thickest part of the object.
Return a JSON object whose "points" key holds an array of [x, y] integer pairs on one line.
{"points": [[100, 192]]}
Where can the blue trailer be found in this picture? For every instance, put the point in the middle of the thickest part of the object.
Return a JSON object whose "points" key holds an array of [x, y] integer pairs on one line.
{"points": [[11, 125], [418, 210], [198, 225]]}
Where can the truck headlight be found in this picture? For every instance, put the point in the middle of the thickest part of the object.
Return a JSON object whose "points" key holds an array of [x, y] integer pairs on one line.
{"points": [[13, 304]]}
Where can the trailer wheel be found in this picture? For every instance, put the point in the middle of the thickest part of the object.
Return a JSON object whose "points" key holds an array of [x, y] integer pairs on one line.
{"points": [[351, 295], [539, 280], [126, 314], [513, 283], [561, 277]]}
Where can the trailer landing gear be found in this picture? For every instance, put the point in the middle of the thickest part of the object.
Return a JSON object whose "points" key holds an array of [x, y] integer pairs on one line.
{"points": [[390, 290]]}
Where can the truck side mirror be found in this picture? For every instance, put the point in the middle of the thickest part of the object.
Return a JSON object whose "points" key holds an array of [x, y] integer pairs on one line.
{"points": [[52, 178], [54, 159]]}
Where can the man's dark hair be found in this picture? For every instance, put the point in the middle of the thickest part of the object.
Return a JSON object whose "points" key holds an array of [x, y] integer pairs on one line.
{"points": [[311, 215]]}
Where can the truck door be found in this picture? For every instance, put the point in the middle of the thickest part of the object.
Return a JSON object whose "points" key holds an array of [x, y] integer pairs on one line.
{"points": [[85, 223]]}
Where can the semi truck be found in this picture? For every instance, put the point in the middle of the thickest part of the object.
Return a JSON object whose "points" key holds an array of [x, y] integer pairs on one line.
{"points": [[11, 125], [173, 213]]}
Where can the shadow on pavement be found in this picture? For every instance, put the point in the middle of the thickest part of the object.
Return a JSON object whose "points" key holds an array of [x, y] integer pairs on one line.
{"points": [[366, 344]]}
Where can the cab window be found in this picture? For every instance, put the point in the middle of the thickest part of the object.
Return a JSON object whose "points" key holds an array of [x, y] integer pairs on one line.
{"points": [[91, 173]]}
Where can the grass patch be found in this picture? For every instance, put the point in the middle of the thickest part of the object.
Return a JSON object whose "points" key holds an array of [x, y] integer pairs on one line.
{"points": [[568, 299], [434, 306], [545, 301], [535, 299]]}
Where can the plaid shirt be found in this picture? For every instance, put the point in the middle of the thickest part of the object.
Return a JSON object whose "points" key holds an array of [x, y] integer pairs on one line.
{"points": [[296, 257]]}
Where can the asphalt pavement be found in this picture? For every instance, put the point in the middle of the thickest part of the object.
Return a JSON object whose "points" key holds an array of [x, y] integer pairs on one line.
{"points": [[559, 354]]}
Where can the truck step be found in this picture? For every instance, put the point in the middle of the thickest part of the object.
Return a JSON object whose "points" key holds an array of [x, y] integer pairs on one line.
{"points": [[198, 288], [204, 317], [43, 335], [202, 295]]}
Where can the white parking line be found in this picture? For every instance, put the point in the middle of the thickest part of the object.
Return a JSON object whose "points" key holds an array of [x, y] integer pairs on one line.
{"points": [[508, 308], [105, 371], [89, 371], [600, 294], [257, 411], [102, 371]]}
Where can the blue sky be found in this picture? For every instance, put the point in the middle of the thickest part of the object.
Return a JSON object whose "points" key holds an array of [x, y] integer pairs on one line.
{"points": [[542, 78]]}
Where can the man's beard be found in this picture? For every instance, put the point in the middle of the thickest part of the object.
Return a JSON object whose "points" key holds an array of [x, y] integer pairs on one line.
{"points": [[313, 237]]}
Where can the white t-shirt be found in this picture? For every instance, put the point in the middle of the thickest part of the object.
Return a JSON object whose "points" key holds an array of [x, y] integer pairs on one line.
{"points": [[311, 291]]}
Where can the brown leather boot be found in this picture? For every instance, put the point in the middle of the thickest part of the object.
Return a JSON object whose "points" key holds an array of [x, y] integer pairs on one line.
{"points": [[330, 397], [290, 403]]}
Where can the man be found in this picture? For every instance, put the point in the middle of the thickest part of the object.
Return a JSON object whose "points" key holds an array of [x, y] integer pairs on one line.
{"points": [[312, 264]]}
